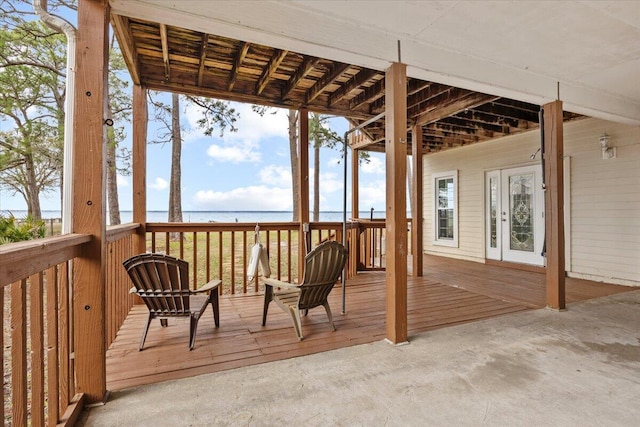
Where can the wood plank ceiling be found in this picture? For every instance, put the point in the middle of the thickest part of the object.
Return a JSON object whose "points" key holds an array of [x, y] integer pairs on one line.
{"points": [[173, 59]]}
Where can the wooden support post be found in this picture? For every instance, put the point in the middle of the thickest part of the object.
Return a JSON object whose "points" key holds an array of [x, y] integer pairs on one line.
{"points": [[140, 120], [554, 204], [89, 200], [416, 203], [303, 201], [355, 207], [396, 203]]}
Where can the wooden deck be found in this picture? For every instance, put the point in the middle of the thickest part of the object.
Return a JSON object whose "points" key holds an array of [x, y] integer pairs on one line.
{"points": [[450, 293]]}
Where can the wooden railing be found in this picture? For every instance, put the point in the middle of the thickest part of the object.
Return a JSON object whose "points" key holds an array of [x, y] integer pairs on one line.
{"points": [[118, 299], [37, 331], [371, 243], [223, 250]]}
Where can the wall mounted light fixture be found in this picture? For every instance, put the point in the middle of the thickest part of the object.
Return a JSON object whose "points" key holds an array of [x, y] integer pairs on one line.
{"points": [[608, 152]]}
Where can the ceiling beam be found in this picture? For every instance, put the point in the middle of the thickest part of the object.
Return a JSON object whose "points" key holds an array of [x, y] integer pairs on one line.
{"points": [[203, 56], [307, 65], [223, 94], [482, 117], [415, 85], [423, 96], [499, 109], [237, 62], [453, 106], [363, 76], [368, 95], [325, 81], [272, 66], [122, 29], [164, 40]]}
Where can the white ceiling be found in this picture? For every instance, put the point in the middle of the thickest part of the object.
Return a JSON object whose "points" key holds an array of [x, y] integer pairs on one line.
{"points": [[588, 52]]}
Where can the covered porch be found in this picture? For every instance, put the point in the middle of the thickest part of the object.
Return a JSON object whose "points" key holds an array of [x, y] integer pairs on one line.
{"points": [[451, 292], [412, 98]]}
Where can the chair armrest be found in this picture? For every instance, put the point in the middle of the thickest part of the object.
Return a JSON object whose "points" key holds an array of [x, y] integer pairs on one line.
{"points": [[133, 290], [279, 284], [209, 286]]}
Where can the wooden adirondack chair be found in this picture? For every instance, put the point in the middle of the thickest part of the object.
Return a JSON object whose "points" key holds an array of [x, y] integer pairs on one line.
{"points": [[323, 267], [162, 282]]}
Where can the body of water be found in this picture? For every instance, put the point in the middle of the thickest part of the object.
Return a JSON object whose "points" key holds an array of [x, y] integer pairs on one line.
{"points": [[217, 216]]}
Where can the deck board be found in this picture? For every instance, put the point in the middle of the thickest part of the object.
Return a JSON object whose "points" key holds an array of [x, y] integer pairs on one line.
{"points": [[450, 293]]}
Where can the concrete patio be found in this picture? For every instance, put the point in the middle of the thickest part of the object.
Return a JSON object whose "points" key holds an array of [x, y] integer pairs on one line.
{"points": [[537, 367]]}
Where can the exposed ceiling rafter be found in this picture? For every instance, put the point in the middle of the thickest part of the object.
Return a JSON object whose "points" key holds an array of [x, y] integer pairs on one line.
{"points": [[274, 63], [233, 75], [203, 57], [164, 38]]}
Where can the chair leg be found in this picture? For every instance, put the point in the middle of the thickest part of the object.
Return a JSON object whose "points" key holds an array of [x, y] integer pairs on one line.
{"points": [[268, 294], [326, 307], [193, 326], [215, 306], [144, 333], [164, 322], [297, 324]]}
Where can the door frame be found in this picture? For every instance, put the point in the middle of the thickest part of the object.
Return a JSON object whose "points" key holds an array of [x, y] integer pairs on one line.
{"points": [[500, 251]]}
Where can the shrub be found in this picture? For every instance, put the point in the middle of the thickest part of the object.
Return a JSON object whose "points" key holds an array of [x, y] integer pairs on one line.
{"points": [[13, 230]]}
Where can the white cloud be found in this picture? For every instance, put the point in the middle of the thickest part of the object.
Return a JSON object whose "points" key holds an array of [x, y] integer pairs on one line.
{"points": [[245, 198], [255, 127], [373, 194], [244, 144], [375, 166], [121, 181], [334, 161], [330, 183], [159, 184], [244, 152], [276, 175]]}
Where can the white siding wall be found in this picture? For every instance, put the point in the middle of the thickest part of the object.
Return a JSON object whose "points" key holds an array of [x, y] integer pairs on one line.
{"points": [[604, 206], [605, 202]]}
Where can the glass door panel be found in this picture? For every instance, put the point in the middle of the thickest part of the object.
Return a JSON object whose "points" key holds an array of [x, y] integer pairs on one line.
{"points": [[522, 215]]}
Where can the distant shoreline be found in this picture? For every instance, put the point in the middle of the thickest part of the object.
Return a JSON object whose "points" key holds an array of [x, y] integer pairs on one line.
{"points": [[213, 216]]}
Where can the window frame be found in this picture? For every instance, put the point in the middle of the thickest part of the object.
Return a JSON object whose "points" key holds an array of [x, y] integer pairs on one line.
{"points": [[435, 179]]}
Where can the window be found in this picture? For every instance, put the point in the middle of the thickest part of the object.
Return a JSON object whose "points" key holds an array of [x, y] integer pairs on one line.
{"points": [[446, 208]]}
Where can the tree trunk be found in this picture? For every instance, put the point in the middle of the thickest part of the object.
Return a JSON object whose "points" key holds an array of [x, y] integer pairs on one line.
{"points": [[293, 151], [112, 179], [33, 193], [316, 182], [175, 195]]}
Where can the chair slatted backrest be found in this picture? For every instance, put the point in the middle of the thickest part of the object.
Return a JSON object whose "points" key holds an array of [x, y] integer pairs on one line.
{"points": [[162, 281], [323, 267]]}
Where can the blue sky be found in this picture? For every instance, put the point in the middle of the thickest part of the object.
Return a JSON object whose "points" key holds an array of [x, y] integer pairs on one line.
{"points": [[250, 169], [244, 170]]}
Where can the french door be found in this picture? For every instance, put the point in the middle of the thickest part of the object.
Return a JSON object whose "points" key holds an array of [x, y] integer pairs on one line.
{"points": [[515, 215]]}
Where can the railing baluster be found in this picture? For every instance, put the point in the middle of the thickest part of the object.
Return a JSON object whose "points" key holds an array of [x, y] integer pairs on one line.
{"points": [[181, 244], [233, 262], [53, 395], [244, 262], [208, 255], [220, 259], [289, 256], [36, 327], [64, 315], [19, 352], [279, 250], [195, 260]]}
